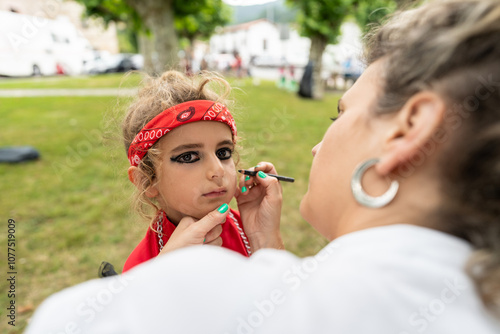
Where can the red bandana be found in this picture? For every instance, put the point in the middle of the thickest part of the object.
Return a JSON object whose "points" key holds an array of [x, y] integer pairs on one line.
{"points": [[187, 112]]}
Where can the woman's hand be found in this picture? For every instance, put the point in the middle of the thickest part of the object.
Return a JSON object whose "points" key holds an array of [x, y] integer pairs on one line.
{"points": [[191, 231], [260, 207]]}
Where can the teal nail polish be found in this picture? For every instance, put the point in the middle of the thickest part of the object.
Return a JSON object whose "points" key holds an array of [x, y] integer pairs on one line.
{"points": [[204, 240], [257, 166], [244, 189], [247, 178], [223, 208], [262, 174]]}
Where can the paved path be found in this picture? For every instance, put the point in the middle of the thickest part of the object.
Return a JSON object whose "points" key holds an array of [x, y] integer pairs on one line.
{"points": [[67, 92]]}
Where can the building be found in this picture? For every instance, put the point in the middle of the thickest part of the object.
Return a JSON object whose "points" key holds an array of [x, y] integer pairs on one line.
{"points": [[100, 37], [272, 45], [262, 41]]}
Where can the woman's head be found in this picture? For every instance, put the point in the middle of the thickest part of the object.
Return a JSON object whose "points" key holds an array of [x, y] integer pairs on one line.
{"points": [[189, 170], [428, 106]]}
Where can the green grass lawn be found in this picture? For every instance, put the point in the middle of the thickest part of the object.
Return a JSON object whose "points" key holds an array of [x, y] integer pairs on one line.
{"points": [[98, 81], [72, 206]]}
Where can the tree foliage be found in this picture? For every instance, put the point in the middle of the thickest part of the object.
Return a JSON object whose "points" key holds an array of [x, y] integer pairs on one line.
{"points": [[322, 17], [191, 19], [202, 22], [368, 13], [320, 20], [371, 12], [112, 11]]}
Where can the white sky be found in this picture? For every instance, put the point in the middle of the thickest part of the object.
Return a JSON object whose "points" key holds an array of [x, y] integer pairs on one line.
{"points": [[246, 2]]}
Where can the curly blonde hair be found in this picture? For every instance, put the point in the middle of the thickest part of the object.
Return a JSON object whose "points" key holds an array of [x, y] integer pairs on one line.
{"points": [[156, 95]]}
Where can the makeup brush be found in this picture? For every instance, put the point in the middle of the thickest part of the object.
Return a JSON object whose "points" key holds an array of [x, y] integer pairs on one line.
{"points": [[279, 177]]}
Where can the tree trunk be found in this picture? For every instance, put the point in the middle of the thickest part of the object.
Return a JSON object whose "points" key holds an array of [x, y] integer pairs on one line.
{"points": [[166, 43], [318, 45], [146, 47], [159, 17]]}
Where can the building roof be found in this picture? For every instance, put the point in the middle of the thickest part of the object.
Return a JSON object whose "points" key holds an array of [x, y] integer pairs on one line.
{"points": [[245, 26]]}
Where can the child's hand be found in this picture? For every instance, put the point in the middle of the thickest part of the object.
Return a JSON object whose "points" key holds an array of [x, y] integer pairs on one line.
{"points": [[190, 231], [260, 208]]}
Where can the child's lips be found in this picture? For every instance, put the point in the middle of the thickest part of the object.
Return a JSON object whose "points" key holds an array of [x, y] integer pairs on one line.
{"points": [[216, 193]]}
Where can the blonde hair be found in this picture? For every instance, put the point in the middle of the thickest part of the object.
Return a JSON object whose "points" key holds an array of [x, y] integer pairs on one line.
{"points": [[156, 95], [453, 47]]}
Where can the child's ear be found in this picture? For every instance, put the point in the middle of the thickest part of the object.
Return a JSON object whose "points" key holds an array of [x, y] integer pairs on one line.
{"points": [[132, 172], [134, 176]]}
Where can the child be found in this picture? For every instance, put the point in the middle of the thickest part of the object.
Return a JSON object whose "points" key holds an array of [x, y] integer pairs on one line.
{"points": [[180, 139]]}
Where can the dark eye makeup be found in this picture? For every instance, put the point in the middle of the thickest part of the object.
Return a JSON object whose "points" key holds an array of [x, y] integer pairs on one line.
{"points": [[190, 157], [224, 153], [186, 157]]}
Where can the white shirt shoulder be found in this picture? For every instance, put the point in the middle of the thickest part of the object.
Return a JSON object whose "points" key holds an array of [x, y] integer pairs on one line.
{"points": [[398, 279]]}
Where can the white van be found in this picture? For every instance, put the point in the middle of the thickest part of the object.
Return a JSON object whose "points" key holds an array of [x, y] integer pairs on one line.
{"points": [[32, 45], [70, 48]]}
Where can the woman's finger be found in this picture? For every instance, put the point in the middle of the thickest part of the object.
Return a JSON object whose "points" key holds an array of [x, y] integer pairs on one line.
{"points": [[266, 167], [270, 184], [247, 182], [216, 242], [212, 219], [213, 234]]}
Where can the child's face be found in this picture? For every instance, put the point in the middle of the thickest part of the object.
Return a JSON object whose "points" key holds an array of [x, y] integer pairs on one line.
{"points": [[197, 173]]}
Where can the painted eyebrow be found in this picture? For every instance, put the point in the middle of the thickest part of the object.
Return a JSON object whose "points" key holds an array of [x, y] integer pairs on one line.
{"points": [[186, 147], [192, 146], [226, 142]]}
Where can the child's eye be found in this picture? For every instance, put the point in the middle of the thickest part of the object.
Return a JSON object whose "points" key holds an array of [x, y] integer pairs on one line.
{"points": [[186, 158], [224, 153]]}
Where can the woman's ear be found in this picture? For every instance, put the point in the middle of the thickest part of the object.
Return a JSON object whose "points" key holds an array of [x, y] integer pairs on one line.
{"points": [[415, 125], [134, 175]]}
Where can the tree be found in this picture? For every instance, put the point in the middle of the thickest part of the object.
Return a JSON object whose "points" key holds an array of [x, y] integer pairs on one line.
{"points": [[320, 20], [202, 23], [120, 11], [370, 12], [159, 18]]}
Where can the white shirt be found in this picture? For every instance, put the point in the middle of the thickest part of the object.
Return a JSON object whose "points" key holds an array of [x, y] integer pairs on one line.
{"points": [[399, 279]]}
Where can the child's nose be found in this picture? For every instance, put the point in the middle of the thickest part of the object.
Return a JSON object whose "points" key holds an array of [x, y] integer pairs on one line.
{"points": [[215, 168]]}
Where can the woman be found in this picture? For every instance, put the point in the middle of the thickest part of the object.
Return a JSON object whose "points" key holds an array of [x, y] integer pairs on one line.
{"points": [[406, 184]]}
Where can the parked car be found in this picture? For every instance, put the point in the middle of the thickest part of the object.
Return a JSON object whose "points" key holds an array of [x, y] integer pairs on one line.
{"points": [[124, 62], [96, 63]]}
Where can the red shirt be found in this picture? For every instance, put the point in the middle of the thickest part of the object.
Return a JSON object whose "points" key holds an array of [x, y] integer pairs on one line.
{"points": [[149, 247]]}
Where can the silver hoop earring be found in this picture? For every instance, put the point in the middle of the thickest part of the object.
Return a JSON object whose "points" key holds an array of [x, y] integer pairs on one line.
{"points": [[362, 197]]}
